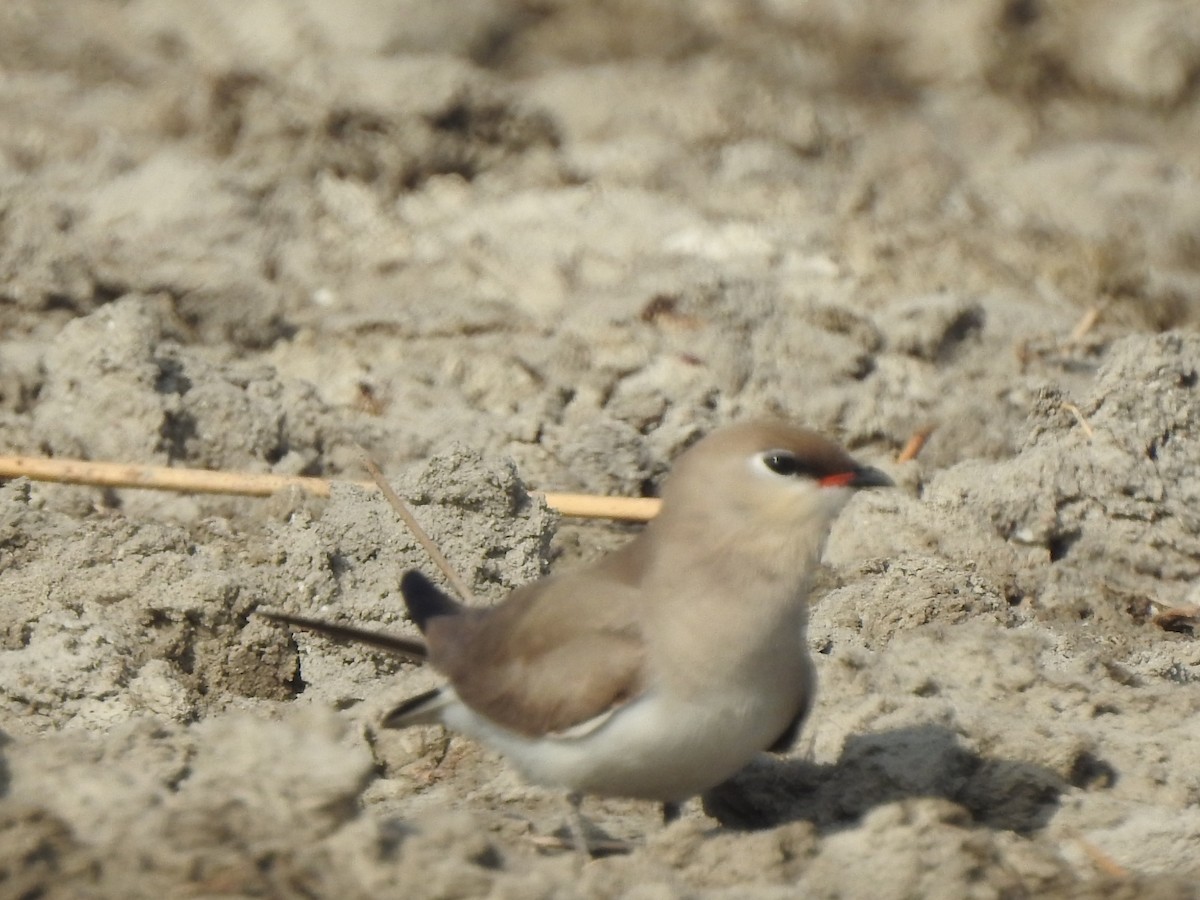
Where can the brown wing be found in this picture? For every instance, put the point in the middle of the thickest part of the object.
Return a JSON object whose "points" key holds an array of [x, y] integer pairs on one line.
{"points": [[553, 655]]}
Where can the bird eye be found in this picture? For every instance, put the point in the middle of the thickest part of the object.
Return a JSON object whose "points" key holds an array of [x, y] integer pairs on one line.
{"points": [[787, 464]]}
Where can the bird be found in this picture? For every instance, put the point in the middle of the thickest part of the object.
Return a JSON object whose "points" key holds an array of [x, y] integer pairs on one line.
{"points": [[660, 670]]}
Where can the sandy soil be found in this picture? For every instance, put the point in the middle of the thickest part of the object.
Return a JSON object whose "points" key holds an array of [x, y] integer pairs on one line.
{"points": [[510, 246]]}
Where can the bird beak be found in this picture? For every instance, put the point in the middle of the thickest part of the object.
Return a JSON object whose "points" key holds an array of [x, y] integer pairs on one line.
{"points": [[858, 477]]}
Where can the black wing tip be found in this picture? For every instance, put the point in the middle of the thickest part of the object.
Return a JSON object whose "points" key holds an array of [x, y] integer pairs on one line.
{"points": [[424, 599], [401, 716]]}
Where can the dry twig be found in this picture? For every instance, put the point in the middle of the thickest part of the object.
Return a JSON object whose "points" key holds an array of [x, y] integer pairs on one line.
{"points": [[426, 542], [252, 484], [915, 444], [1084, 325], [1102, 860], [1081, 419]]}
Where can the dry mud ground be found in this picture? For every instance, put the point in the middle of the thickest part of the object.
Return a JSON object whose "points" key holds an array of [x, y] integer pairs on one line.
{"points": [[546, 244]]}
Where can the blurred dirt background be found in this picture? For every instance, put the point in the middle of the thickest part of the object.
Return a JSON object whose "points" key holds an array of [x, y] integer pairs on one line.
{"points": [[520, 245]]}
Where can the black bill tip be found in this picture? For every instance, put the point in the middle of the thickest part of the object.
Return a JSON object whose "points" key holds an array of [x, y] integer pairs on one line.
{"points": [[870, 477]]}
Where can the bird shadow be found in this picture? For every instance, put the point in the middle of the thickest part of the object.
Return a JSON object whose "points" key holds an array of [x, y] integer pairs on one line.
{"points": [[889, 766]]}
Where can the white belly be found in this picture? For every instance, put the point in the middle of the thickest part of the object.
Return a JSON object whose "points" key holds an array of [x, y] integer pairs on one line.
{"points": [[654, 748]]}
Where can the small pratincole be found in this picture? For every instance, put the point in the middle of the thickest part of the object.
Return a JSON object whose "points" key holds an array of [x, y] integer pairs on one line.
{"points": [[660, 670]]}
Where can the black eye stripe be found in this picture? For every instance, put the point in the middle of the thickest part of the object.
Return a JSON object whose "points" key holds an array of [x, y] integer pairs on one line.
{"points": [[781, 462]]}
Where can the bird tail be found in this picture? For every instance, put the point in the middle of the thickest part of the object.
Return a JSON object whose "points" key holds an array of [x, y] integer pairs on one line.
{"points": [[409, 648], [425, 600]]}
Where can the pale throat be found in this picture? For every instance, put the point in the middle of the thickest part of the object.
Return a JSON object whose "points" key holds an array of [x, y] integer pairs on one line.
{"points": [[762, 616]]}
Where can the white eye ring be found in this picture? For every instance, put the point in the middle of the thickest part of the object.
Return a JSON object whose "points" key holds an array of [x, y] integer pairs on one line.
{"points": [[781, 464]]}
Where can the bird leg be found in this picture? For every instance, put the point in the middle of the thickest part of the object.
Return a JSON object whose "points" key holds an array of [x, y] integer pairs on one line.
{"points": [[576, 836], [575, 824]]}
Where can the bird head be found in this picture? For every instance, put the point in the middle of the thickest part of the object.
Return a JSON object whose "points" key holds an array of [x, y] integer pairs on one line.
{"points": [[769, 481]]}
